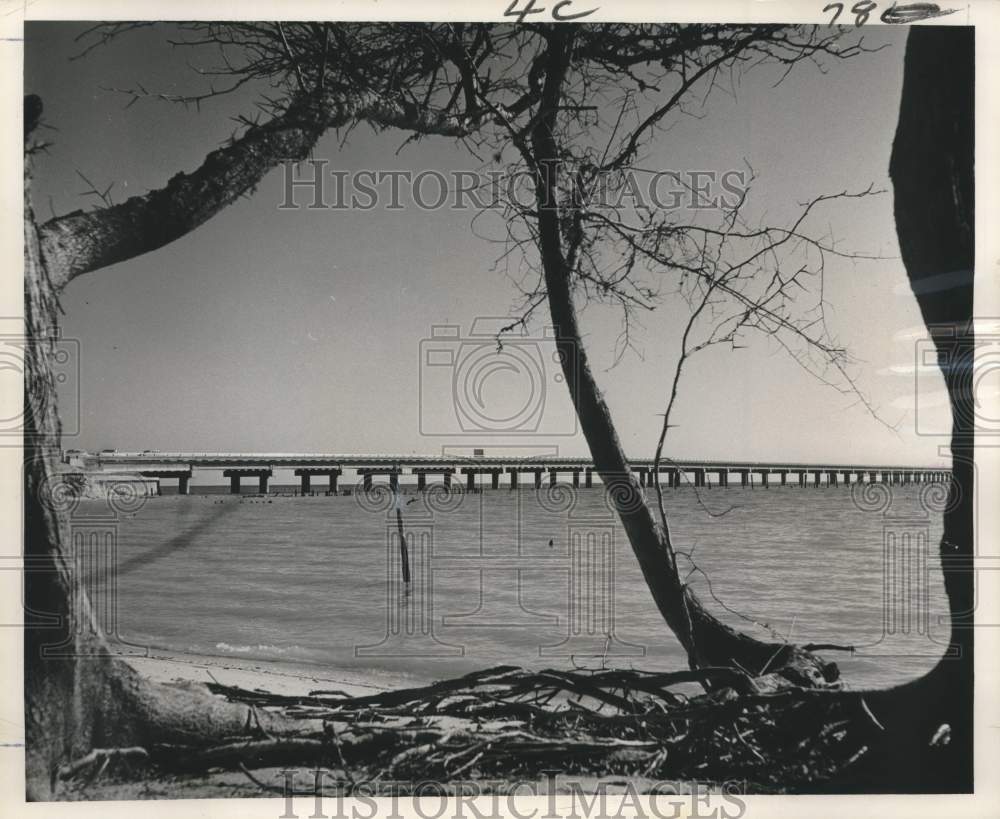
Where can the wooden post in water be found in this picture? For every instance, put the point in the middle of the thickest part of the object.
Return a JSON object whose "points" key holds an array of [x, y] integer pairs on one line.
{"points": [[404, 553]]}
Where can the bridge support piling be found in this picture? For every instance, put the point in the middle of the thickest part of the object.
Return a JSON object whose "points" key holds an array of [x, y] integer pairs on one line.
{"points": [[234, 484], [588, 478], [495, 479], [305, 475], [699, 477]]}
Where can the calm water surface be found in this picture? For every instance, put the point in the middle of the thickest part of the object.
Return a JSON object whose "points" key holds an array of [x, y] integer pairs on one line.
{"points": [[537, 579]]}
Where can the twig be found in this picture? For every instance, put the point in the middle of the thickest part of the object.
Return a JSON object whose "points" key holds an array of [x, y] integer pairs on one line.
{"points": [[103, 755]]}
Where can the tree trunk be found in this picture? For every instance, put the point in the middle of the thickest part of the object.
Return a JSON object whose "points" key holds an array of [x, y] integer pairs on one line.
{"points": [[927, 743], [934, 186], [707, 640], [78, 695]]}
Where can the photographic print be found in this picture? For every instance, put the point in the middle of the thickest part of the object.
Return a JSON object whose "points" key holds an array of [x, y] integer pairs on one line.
{"points": [[554, 404]]}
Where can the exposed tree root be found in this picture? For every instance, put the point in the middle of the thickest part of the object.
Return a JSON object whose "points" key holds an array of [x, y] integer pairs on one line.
{"points": [[512, 723]]}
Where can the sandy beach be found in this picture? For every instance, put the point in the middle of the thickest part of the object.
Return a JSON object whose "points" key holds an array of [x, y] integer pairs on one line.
{"points": [[278, 678]]}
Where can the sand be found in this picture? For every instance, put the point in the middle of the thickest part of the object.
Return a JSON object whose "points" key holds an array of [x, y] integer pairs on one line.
{"points": [[278, 678]]}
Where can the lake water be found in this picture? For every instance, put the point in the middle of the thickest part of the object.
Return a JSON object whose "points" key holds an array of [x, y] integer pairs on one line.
{"points": [[537, 578]]}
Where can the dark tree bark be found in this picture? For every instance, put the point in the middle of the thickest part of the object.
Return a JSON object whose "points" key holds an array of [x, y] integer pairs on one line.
{"points": [[927, 741], [932, 174], [934, 184]]}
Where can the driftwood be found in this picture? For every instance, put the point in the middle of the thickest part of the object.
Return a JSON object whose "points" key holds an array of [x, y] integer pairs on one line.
{"points": [[509, 722]]}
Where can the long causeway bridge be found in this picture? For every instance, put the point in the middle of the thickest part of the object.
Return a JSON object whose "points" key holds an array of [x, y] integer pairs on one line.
{"points": [[506, 471]]}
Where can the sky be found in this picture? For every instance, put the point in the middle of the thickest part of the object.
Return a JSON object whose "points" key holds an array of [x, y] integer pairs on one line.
{"points": [[297, 330]]}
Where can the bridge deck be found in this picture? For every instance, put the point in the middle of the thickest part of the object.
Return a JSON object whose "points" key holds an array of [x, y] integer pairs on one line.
{"points": [[237, 460]]}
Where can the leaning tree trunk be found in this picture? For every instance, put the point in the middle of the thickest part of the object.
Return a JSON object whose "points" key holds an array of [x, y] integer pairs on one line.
{"points": [[78, 696], [707, 640]]}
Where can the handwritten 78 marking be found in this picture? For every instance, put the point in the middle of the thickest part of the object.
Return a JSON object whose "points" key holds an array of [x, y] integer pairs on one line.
{"points": [[909, 13]]}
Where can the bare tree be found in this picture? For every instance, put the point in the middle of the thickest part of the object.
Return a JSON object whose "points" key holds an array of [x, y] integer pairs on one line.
{"points": [[79, 697], [578, 248]]}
